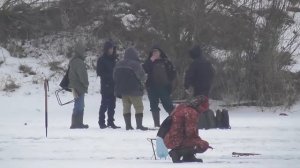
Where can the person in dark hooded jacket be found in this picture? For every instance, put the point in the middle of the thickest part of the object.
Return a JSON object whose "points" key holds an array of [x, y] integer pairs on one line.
{"points": [[129, 77], [105, 66], [200, 74], [161, 74]]}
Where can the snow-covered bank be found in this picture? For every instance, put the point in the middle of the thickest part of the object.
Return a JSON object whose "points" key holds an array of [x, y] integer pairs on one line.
{"points": [[23, 142]]}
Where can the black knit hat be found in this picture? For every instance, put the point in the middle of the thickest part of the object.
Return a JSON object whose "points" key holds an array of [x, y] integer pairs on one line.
{"points": [[107, 45]]}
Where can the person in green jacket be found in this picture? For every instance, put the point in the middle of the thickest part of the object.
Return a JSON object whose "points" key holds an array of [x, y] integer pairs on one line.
{"points": [[79, 83]]}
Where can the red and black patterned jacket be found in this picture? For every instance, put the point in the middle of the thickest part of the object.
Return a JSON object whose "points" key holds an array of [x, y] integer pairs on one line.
{"points": [[184, 128]]}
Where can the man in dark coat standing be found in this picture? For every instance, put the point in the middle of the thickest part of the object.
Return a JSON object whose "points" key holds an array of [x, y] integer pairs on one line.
{"points": [[105, 66], [161, 74], [199, 75], [129, 77]]}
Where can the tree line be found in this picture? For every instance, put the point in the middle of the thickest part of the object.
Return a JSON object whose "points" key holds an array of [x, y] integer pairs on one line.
{"points": [[251, 43]]}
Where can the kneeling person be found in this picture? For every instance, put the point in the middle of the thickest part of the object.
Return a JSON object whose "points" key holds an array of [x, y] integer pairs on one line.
{"points": [[183, 138], [129, 76]]}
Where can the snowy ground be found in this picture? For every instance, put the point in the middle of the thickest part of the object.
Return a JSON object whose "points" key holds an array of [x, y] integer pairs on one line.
{"points": [[274, 137], [23, 142]]}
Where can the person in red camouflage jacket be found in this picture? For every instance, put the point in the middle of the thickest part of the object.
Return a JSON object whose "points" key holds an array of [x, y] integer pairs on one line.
{"points": [[183, 138]]}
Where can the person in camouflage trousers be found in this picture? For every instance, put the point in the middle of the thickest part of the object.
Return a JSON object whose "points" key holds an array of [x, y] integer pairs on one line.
{"points": [[129, 77]]}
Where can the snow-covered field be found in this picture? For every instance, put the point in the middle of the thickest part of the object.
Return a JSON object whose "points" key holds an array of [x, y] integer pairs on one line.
{"points": [[23, 142]]}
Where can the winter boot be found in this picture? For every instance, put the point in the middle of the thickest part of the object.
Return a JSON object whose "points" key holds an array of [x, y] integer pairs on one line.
{"points": [[139, 121], [191, 158], [80, 120], [156, 118], [112, 125], [176, 155], [127, 118], [77, 122], [102, 125], [74, 122], [101, 120]]}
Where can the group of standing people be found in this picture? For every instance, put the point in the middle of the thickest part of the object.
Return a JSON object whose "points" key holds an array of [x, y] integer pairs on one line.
{"points": [[127, 80]]}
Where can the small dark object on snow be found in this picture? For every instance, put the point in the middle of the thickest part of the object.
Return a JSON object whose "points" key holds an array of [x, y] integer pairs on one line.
{"points": [[238, 154], [222, 119], [25, 123], [283, 114], [207, 120]]}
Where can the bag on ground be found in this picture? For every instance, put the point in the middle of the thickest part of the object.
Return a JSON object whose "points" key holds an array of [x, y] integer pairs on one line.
{"points": [[161, 149], [222, 119], [207, 120]]}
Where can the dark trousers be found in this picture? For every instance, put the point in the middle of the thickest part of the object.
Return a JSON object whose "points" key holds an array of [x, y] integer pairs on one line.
{"points": [[108, 103], [156, 94]]}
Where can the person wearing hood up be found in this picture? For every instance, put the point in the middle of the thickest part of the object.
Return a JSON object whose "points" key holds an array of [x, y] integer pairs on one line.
{"points": [[129, 77], [199, 75], [182, 137], [78, 82], [105, 66], [161, 74]]}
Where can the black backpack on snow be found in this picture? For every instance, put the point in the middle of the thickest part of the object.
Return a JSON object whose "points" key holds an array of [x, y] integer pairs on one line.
{"points": [[222, 119], [207, 120], [165, 127]]}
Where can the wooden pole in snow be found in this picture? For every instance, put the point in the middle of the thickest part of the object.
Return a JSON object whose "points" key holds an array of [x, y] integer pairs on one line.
{"points": [[46, 88]]}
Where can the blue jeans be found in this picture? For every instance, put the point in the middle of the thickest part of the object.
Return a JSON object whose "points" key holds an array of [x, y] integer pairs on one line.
{"points": [[79, 105]]}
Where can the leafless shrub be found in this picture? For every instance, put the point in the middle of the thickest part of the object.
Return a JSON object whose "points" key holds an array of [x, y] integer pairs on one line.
{"points": [[55, 66], [26, 70], [10, 86]]}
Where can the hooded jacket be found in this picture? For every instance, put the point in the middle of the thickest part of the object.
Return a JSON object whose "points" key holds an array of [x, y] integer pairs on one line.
{"points": [[105, 66], [78, 72], [149, 67], [199, 74], [183, 132], [129, 75]]}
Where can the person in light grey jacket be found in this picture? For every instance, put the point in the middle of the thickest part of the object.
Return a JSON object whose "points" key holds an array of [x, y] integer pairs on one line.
{"points": [[129, 77]]}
